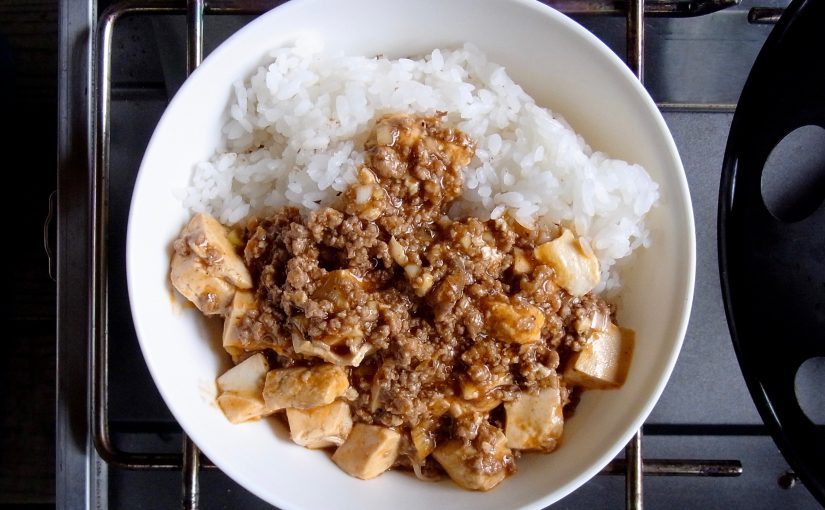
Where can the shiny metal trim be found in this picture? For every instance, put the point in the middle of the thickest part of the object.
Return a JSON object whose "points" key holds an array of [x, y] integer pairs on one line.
{"points": [[190, 494], [51, 260], [765, 15], [74, 455], [635, 60], [669, 9], [98, 286], [679, 467], [636, 37], [697, 107], [190, 490], [634, 497], [194, 40]]}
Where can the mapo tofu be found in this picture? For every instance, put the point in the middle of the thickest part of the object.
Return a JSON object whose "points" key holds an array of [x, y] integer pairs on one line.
{"points": [[399, 335]]}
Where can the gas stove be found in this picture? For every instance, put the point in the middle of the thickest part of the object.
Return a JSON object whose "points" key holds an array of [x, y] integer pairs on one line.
{"points": [[703, 446]]}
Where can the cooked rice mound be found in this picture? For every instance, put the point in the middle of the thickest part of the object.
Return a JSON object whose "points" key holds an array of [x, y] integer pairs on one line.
{"points": [[295, 130]]}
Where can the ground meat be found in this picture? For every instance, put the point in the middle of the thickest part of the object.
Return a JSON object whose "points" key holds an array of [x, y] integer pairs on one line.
{"points": [[485, 461], [426, 297]]}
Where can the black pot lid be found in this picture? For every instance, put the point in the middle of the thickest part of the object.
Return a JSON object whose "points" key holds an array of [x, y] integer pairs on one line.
{"points": [[773, 271]]}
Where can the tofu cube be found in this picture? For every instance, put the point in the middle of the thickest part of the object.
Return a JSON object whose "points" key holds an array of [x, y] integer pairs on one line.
{"points": [[206, 269], [304, 387], [515, 322], [576, 266], [603, 362], [535, 422], [241, 389], [242, 303], [368, 451], [240, 408], [345, 346], [320, 427], [454, 455], [191, 277], [246, 377], [480, 391], [209, 240]]}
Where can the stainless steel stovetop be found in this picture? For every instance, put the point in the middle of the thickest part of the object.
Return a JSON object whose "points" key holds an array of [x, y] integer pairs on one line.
{"points": [[694, 67]]}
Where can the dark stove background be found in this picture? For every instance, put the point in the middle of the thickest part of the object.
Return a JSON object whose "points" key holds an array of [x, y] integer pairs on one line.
{"points": [[28, 129]]}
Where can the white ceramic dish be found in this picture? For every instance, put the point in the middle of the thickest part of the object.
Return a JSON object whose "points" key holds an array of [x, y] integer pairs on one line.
{"points": [[556, 61]]}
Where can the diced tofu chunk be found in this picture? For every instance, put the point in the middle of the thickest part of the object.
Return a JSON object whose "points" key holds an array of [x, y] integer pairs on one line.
{"points": [[368, 451], [521, 262], [479, 405], [241, 388], [246, 377], [206, 269], [191, 277], [534, 422], [576, 267], [454, 456], [242, 303], [321, 426], [604, 360], [515, 322], [344, 346], [473, 390], [240, 408], [304, 388], [208, 239]]}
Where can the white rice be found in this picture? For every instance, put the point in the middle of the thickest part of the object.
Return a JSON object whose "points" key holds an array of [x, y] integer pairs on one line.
{"points": [[296, 127]]}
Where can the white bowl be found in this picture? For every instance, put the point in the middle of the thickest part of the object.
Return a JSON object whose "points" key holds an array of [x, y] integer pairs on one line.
{"points": [[564, 68]]}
